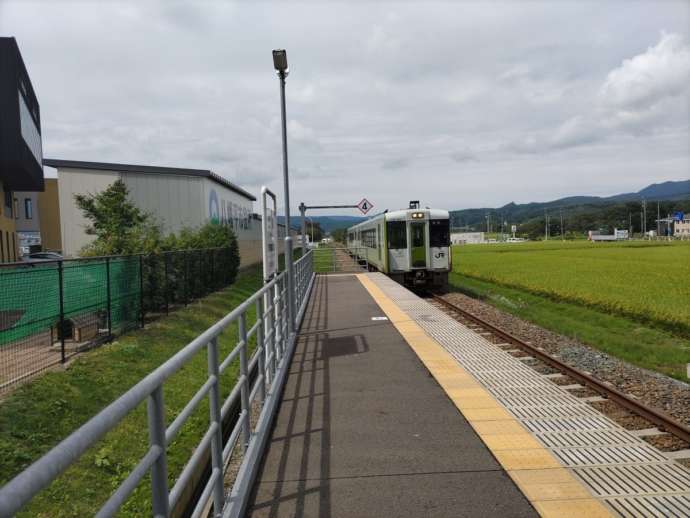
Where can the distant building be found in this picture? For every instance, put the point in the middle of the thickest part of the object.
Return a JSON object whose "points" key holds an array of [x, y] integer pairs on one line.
{"points": [[618, 235], [176, 197], [682, 228], [26, 215], [467, 238], [49, 216], [21, 149]]}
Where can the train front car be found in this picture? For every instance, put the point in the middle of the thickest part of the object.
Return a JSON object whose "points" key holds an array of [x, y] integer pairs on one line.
{"points": [[418, 242]]}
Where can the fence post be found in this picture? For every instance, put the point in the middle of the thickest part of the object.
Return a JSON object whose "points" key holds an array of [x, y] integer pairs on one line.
{"points": [[244, 374], [141, 289], [166, 282], [186, 276], [333, 253], [62, 311], [213, 272], [107, 281], [215, 417], [159, 470]]}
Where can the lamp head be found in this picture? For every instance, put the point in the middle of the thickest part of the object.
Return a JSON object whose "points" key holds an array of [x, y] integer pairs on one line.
{"points": [[280, 61]]}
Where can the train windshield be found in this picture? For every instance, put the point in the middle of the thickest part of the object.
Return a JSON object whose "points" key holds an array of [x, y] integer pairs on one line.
{"points": [[439, 233], [397, 235]]}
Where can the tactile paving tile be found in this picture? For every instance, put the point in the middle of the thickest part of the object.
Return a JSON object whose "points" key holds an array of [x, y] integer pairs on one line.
{"points": [[675, 506], [634, 478]]}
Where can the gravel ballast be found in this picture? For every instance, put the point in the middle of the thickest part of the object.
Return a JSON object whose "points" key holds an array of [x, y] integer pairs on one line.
{"points": [[656, 390]]}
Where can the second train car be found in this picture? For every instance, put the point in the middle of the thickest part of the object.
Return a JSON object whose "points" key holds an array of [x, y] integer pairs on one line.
{"points": [[412, 246]]}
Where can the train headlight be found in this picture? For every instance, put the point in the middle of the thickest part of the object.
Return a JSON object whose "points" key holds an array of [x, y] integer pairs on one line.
{"points": [[417, 215]]}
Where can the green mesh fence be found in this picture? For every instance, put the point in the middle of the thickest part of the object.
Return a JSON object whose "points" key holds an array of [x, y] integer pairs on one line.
{"points": [[46, 305]]}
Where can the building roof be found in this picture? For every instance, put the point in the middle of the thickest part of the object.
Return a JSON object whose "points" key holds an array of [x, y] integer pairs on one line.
{"points": [[148, 169]]}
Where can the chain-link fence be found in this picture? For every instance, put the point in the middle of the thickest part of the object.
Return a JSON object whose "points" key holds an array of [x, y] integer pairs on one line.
{"points": [[51, 310]]}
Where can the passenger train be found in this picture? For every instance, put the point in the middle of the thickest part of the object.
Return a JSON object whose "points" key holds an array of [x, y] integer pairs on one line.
{"points": [[411, 246]]}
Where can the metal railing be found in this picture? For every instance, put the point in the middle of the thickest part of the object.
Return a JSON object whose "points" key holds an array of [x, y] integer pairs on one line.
{"points": [[273, 352]]}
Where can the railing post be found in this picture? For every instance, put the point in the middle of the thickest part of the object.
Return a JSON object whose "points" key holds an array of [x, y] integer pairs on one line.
{"points": [[61, 287], [277, 323], [215, 418], [333, 256], [244, 372], [107, 281], [261, 347], [290, 271], [159, 470]]}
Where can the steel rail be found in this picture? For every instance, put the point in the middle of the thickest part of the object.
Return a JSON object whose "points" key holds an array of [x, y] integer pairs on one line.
{"points": [[661, 419]]}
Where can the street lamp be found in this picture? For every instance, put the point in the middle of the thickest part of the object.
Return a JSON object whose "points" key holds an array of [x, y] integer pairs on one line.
{"points": [[281, 66]]}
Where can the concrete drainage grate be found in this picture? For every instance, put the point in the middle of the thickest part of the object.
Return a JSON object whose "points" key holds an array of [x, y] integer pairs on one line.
{"points": [[631, 476]]}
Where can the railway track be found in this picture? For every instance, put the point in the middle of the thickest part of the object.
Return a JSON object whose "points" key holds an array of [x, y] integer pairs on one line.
{"points": [[660, 419]]}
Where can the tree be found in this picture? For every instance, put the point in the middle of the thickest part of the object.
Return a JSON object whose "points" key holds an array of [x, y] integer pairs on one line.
{"points": [[339, 235], [119, 226]]}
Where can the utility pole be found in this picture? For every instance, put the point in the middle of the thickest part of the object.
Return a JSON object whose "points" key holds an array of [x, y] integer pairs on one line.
{"points": [[641, 224], [562, 233], [546, 226], [630, 229], [658, 218], [644, 217]]}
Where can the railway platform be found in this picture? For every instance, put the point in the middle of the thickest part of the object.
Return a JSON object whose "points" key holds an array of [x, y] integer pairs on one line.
{"points": [[393, 408], [364, 430]]}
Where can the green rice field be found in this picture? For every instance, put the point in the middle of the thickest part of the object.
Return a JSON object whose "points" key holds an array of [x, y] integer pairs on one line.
{"points": [[648, 282]]}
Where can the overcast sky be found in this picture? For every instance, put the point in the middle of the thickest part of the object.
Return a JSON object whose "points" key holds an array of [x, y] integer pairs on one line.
{"points": [[458, 104]]}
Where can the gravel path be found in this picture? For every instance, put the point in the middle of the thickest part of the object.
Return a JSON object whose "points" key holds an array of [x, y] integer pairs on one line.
{"points": [[659, 391]]}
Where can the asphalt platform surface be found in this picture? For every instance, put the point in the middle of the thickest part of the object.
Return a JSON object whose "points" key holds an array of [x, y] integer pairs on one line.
{"points": [[364, 430]]}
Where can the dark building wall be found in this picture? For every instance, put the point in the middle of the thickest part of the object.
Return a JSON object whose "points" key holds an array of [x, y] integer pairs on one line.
{"points": [[20, 123]]}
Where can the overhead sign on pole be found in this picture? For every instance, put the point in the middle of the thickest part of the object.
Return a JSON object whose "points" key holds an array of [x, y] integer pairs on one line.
{"points": [[269, 233], [364, 206]]}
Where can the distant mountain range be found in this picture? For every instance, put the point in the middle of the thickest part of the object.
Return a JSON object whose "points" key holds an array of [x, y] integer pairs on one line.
{"points": [[588, 210], [328, 223], [520, 213]]}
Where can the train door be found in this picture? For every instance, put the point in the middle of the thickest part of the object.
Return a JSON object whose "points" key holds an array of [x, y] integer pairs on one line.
{"points": [[418, 244], [398, 257]]}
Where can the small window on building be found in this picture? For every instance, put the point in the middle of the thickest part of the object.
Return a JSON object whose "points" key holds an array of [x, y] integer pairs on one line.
{"points": [[15, 208], [28, 209]]}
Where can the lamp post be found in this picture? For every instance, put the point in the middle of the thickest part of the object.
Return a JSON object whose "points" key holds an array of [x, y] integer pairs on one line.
{"points": [[281, 66]]}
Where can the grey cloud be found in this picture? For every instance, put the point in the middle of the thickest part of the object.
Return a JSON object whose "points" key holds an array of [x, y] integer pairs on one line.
{"points": [[395, 163], [377, 90], [464, 155]]}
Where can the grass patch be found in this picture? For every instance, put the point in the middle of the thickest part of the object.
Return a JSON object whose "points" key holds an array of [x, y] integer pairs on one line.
{"points": [[639, 280], [618, 336], [40, 414]]}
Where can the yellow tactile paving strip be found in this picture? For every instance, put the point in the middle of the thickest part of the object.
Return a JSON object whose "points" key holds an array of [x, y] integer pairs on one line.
{"points": [[552, 489]]}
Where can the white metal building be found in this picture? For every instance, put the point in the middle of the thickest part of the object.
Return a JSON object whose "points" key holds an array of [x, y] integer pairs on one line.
{"points": [[467, 238], [176, 197]]}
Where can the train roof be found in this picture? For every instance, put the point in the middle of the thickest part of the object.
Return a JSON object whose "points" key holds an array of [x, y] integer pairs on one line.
{"points": [[405, 214]]}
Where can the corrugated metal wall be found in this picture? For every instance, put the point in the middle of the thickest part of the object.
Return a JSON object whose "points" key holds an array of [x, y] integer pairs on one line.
{"points": [[72, 222]]}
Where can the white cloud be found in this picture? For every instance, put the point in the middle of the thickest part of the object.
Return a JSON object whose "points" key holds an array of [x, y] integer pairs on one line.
{"points": [[646, 79]]}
